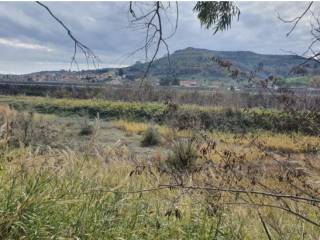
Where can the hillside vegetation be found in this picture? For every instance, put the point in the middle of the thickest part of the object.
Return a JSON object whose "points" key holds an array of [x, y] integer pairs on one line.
{"points": [[197, 64]]}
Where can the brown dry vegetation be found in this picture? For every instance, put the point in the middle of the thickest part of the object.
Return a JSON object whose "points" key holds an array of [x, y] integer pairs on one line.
{"points": [[219, 97], [193, 185]]}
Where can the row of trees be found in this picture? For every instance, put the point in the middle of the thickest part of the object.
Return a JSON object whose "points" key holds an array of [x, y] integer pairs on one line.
{"points": [[169, 81]]}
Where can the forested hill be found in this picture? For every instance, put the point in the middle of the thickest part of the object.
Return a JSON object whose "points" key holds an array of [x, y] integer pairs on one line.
{"points": [[194, 63]]}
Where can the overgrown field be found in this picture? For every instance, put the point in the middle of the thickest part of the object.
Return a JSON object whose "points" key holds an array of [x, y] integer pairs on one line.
{"points": [[247, 98], [61, 194], [183, 116], [80, 178]]}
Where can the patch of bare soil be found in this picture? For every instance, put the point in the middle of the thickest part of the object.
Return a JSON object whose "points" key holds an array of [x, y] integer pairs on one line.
{"points": [[107, 134]]}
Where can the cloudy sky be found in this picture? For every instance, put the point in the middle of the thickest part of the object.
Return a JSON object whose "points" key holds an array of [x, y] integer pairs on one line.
{"points": [[30, 40]]}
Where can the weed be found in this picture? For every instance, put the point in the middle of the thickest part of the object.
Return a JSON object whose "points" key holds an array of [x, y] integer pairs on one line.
{"points": [[86, 130], [222, 186], [21, 128], [151, 137], [63, 194], [131, 127], [183, 154]]}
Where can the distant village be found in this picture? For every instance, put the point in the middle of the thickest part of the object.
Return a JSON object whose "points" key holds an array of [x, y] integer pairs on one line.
{"points": [[119, 78], [63, 76], [111, 77]]}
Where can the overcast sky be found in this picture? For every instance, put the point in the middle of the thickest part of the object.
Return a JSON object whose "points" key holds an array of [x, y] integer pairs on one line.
{"points": [[30, 40]]}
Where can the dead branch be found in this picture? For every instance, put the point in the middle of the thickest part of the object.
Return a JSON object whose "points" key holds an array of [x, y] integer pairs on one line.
{"points": [[152, 22], [267, 194], [230, 190], [88, 53], [297, 19]]}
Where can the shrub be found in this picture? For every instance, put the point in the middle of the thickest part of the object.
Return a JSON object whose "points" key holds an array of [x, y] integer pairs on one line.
{"points": [[86, 127], [184, 154], [21, 128], [151, 137], [86, 130]]}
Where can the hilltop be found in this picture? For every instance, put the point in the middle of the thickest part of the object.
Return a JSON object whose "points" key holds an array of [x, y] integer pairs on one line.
{"points": [[197, 64]]}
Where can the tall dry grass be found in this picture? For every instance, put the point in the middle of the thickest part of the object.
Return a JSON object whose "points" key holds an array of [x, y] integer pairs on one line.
{"points": [[62, 194], [107, 193]]}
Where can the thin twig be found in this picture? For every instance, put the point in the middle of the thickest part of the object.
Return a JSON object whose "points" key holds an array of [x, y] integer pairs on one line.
{"points": [[152, 22], [264, 225], [88, 53], [296, 20]]}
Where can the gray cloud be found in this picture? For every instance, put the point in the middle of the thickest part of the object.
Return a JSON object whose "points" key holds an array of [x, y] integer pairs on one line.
{"points": [[30, 40]]}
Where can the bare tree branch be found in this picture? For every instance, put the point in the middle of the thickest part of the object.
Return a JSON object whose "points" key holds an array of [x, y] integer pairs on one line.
{"points": [[296, 20], [88, 53], [153, 23]]}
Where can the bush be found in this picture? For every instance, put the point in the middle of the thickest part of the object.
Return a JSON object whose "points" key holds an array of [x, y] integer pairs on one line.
{"points": [[151, 137], [86, 130], [184, 155], [86, 127], [21, 128]]}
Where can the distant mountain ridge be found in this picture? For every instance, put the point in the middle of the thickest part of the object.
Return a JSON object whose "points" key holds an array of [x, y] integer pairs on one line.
{"points": [[190, 64], [195, 63]]}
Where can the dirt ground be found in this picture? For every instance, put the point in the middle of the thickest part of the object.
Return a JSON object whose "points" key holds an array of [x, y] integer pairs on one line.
{"points": [[68, 136], [108, 135]]}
